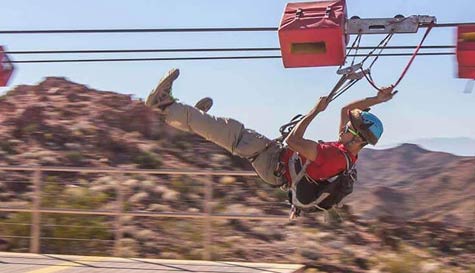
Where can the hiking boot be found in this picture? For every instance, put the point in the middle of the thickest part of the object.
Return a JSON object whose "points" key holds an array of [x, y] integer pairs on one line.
{"points": [[204, 104], [161, 96]]}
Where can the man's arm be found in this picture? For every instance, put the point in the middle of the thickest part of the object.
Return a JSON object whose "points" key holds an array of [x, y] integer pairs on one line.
{"points": [[295, 139], [384, 95]]}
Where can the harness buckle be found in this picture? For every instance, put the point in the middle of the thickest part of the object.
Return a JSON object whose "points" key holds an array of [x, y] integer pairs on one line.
{"points": [[279, 169], [294, 212]]}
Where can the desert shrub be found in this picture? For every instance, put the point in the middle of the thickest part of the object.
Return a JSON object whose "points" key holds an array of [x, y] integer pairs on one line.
{"points": [[7, 147], [402, 263], [75, 157], [16, 229], [146, 160], [29, 128]]}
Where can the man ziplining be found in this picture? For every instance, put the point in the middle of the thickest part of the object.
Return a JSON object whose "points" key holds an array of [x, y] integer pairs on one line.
{"points": [[307, 168]]}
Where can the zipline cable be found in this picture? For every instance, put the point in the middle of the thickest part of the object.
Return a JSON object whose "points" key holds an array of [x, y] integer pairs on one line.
{"points": [[169, 50], [143, 30], [207, 58], [139, 30]]}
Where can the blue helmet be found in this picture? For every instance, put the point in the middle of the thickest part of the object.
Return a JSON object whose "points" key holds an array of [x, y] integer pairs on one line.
{"points": [[368, 125]]}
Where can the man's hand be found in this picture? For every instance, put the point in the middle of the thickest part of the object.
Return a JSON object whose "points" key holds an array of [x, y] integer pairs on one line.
{"points": [[322, 104], [386, 94]]}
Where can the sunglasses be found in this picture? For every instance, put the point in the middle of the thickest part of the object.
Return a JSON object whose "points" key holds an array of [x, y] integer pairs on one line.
{"points": [[353, 132]]}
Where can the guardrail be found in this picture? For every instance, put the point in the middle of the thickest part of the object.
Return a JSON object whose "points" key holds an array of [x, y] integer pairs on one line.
{"points": [[37, 210]]}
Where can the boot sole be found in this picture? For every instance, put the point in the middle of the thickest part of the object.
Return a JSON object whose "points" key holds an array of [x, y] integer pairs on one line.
{"points": [[204, 104], [172, 75]]}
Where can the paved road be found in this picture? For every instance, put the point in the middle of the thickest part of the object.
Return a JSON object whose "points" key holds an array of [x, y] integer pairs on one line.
{"points": [[46, 263]]}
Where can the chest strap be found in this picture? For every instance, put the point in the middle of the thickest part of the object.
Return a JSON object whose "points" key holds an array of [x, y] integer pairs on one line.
{"points": [[298, 171]]}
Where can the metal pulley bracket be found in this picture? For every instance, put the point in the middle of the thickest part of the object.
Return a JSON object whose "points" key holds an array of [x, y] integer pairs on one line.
{"points": [[398, 24], [349, 69], [353, 72], [358, 75]]}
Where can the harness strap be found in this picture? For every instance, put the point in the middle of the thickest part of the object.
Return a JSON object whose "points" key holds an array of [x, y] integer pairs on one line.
{"points": [[297, 172], [296, 177], [349, 163]]}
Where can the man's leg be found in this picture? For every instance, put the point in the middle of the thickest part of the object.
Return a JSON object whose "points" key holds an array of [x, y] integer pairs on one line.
{"points": [[230, 134], [225, 132]]}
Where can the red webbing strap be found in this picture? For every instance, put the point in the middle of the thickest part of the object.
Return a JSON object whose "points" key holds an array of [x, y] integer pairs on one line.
{"points": [[429, 28]]}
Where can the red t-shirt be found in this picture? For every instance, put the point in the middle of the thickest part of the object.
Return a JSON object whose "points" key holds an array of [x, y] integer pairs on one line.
{"points": [[330, 161]]}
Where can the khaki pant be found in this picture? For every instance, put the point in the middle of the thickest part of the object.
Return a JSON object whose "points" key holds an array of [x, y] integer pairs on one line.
{"points": [[231, 135]]}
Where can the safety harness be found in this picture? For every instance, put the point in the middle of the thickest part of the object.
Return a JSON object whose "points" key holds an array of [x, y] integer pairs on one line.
{"points": [[305, 193], [309, 195]]}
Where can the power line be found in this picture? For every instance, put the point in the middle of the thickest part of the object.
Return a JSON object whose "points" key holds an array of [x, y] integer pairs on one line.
{"points": [[208, 58], [98, 51], [144, 30]]}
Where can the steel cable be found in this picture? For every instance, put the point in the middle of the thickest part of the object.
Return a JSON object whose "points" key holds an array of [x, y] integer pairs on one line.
{"points": [[170, 50], [169, 30], [204, 58]]}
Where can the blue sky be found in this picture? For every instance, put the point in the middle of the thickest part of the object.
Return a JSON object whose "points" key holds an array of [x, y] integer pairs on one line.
{"points": [[260, 93]]}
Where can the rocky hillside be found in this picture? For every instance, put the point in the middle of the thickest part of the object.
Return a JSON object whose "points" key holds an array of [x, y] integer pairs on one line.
{"points": [[59, 122], [62, 123], [413, 183], [407, 200]]}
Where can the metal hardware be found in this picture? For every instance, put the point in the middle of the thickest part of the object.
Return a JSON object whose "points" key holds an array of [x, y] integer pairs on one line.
{"points": [[349, 69], [298, 13], [399, 24], [358, 75]]}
